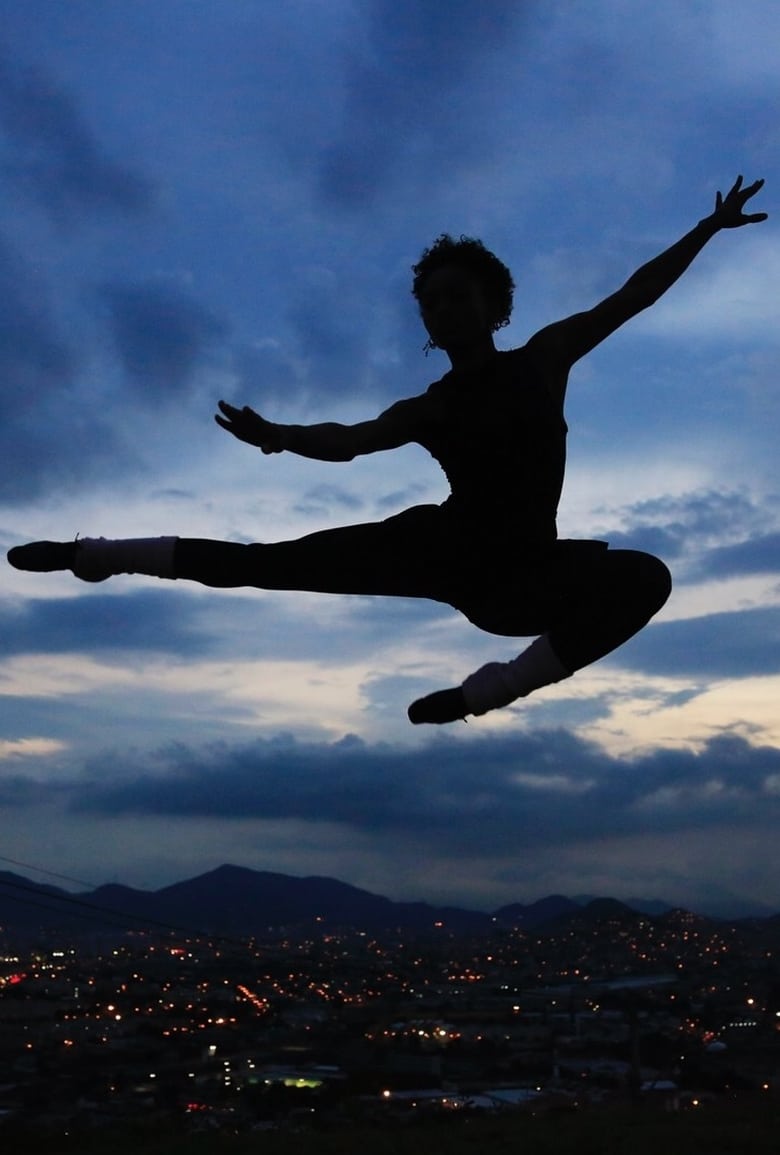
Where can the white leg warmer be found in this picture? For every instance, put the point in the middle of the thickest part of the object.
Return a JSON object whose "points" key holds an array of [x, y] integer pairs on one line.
{"points": [[101, 556], [499, 683]]}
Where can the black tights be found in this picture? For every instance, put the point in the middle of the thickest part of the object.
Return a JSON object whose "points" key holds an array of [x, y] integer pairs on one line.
{"points": [[586, 598]]}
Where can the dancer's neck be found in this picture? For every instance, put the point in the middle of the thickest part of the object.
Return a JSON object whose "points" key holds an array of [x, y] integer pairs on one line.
{"points": [[471, 358]]}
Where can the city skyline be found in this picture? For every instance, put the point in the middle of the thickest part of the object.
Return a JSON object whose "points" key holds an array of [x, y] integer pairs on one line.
{"points": [[207, 201]]}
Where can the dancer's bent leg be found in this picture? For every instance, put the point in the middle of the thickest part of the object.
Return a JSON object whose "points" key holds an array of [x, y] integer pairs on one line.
{"points": [[615, 599], [615, 603], [493, 685]]}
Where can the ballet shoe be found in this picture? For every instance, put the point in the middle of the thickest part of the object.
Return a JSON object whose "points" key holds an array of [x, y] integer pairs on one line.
{"points": [[438, 708], [50, 556]]}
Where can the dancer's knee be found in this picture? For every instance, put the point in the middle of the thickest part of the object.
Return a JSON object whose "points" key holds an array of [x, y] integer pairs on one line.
{"points": [[654, 578], [645, 575], [629, 590]]}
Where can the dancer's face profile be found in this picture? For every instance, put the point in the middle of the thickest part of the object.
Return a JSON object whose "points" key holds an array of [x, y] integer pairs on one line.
{"points": [[454, 308]]}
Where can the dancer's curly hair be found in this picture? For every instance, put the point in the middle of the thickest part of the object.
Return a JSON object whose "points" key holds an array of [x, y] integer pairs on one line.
{"points": [[471, 255]]}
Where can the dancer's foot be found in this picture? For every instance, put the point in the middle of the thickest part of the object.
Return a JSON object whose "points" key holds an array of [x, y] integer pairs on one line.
{"points": [[48, 556], [439, 707]]}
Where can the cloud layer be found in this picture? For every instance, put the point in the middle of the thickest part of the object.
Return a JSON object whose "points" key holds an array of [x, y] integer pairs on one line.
{"points": [[484, 796]]}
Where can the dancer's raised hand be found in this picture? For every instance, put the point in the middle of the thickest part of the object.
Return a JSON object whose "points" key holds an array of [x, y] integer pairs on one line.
{"points": [[250, 427], [728, 212]]}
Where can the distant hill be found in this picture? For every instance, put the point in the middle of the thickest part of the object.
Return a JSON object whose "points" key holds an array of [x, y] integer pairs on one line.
{"points": [[652, 906], [230, 900], [536, 913], [234, 898], [239, 902]]}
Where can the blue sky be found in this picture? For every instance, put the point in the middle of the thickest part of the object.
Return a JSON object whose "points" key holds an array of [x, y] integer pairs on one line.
{"points": [[204, 200]]}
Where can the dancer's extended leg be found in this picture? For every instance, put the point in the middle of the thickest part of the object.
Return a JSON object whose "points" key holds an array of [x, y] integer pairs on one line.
{"points": [[409, 555], [384, 558]]}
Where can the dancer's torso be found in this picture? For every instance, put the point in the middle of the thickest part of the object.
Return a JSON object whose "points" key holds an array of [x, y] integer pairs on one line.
{"points": [[500, 437]]}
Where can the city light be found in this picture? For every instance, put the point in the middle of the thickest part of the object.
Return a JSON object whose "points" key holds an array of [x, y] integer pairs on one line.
{"points": [[241, 1022]]}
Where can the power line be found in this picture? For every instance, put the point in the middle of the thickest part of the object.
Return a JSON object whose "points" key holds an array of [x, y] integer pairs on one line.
{"points": [[50, 873], [96, 911]]}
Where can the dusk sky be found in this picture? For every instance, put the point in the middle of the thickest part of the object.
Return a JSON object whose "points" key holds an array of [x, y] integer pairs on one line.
{"points": [[206, 199]]}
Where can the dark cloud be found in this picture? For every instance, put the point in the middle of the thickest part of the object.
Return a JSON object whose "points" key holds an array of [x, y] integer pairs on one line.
{"points": [[659, 540], [402, 94], [754, 556], [266, 372], [64, 448], [35, 360], [48, 437], [51, 154], [674, 527], [20, 790], [738, 644], [160, 335], [489, 796], [705, 536], [757, 555], [154, 621], [333, 319], [573, 713], [326, 327], [173, 620]]}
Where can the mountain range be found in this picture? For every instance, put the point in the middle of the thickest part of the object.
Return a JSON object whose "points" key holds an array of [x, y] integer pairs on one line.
{"points": [[237, 901]]}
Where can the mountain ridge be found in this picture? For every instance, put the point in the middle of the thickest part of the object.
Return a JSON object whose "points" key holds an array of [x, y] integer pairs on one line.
{"points": [[238, 901]]}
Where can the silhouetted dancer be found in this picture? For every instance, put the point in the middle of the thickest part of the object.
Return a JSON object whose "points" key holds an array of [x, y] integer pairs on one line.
{"points": [[495, 424]]}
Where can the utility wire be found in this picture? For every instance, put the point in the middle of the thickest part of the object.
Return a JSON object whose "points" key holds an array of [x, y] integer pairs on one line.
{"points": [[50, 873], [93, 910]]}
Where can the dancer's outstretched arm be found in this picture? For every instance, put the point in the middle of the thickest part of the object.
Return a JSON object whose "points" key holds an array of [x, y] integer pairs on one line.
{"points": [[326, 442], [566, 341]]}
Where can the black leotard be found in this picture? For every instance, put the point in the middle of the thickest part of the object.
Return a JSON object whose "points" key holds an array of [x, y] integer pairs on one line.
{"points": [[500, 438]]}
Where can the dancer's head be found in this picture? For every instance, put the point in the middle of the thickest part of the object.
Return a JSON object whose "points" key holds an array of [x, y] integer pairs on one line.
{"points": [[464, 291]]}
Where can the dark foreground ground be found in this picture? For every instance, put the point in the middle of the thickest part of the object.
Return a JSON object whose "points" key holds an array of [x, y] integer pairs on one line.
{"points": [[722, 1129]]}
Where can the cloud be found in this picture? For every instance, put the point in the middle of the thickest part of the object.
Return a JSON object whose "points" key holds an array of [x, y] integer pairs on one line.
{"points": [[705, 515], [39, 400], [322, 499], [723, 645], [187, 625], [18, 791], [710, 529], [154, 621], [40, 461], [731, 296], [160, 335], [753, 556], [268, 370], [52, 155], [406, 94], [483, 796], [35, 360], [28, 748]]}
